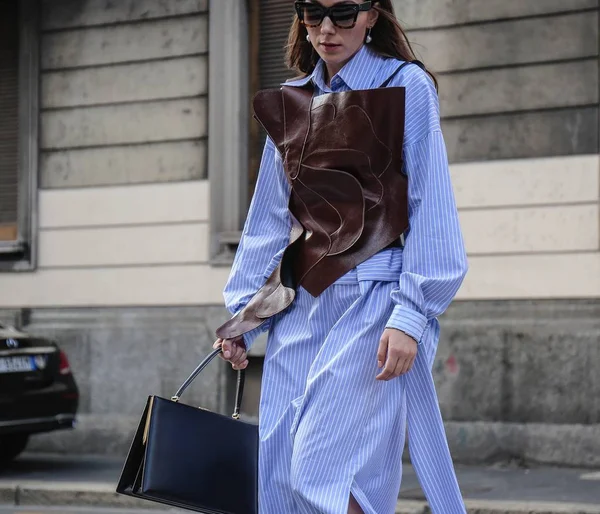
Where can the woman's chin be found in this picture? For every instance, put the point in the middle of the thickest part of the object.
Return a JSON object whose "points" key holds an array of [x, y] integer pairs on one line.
{"points": [[333, 54]]}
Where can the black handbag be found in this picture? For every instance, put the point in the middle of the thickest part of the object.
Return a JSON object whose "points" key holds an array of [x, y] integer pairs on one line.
{"points": [[193, 458]]}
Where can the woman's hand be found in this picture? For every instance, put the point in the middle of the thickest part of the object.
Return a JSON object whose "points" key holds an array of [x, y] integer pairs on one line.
{"points": [[397, 351], [234, 352]]}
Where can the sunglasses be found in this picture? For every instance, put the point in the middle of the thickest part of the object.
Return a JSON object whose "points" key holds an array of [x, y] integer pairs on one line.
{"points": [[343, 16]]}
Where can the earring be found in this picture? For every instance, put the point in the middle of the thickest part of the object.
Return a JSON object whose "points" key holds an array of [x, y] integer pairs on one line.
{"points": [[307, 38], [368, 39]]}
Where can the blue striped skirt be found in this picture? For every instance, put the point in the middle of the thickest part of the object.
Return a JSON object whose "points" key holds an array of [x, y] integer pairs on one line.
{"points": [[328, 429]]}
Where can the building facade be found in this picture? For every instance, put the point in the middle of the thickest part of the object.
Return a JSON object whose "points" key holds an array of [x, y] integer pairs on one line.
{"points": [[128, 154]]}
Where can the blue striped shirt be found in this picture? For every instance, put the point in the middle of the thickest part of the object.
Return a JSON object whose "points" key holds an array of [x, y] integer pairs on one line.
{"points": [[433, 258]]}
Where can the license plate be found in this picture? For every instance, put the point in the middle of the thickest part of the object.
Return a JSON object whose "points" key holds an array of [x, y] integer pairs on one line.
{"points": [[17, 364]]}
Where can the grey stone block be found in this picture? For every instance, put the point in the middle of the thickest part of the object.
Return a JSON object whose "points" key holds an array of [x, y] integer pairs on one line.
{"points": [[585, 312], [60, 14], [124, 368], [154, 80], [539, 443], [172, 37], [565, 445], [521, 362], [94, 434], [530, 40], [410, 507], [552, 375], [132, 123], [469, 373], [522, 135], [120, 356], [522, 88], [8, 495], [136, 164], [435, 13]]}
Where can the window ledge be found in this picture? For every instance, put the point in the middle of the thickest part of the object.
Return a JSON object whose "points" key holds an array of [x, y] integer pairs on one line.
{"points": [[227, 246], [12, 247], [222, 260], [15, 256]]}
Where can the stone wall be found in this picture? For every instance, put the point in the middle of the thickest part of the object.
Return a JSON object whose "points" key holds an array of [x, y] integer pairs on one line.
{"points": [[123, 92], [515, 379], [124, 199], [517, 78], [119, 356]]}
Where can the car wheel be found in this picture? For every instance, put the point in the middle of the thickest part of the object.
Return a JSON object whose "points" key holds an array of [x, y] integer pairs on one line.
{"points": [[12, 445]]}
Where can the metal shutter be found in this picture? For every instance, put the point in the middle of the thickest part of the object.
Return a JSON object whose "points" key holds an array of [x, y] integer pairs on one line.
{"points": [[9, 122], [270, 25], [275, 20]]}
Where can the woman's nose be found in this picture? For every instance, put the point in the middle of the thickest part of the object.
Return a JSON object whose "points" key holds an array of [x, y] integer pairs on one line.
{"points": [[327, 26]]}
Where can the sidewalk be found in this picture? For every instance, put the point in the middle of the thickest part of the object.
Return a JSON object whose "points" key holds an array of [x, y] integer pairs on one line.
{"points": [[90, 481]]}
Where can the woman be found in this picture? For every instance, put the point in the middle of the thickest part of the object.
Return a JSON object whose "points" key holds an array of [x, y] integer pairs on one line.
{"points": [[351, 249]]}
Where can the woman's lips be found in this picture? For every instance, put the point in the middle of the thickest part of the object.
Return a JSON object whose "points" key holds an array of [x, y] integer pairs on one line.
{"points": [[330, 47]]}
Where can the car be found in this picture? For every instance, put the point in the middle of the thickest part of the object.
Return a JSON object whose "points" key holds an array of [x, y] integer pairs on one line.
{"points": [[38, 392]]}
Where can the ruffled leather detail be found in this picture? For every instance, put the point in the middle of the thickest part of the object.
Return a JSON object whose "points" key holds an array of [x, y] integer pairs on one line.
{"points": [[275, 296], [342, 154]]}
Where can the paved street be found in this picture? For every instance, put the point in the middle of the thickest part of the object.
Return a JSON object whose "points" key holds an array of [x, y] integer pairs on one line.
{"points": [[86, 484], [509, 483], [98, 476]]}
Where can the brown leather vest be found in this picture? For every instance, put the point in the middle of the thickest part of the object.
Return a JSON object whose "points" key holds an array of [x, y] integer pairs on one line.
{"points": [[342, 154]]}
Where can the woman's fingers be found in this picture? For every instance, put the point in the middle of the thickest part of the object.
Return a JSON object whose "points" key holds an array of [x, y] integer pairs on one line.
{"points": [[406, 365], [382, 352], [232, 349], [242, 365], [238, 354], [401, 352], [240, 359], [400, 367], [227, 348], [382, 358], [390, 367], [234, 352], [411, 364], [386, 357], [217, 344]]}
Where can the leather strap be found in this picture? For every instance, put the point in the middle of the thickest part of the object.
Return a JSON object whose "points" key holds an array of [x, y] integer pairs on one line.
{"points": [[240, 382], [397, 70]]}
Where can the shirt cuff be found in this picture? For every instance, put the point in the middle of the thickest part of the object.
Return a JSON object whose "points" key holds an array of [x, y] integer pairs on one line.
{"points": [[408, 321]]}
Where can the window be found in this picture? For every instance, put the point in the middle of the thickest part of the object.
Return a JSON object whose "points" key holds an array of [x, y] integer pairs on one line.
{"points": [[247, 45], [18, 132], [269, 27]]}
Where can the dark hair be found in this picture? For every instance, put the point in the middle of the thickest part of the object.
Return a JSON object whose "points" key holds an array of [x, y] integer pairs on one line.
{"points": [[389, 40]]}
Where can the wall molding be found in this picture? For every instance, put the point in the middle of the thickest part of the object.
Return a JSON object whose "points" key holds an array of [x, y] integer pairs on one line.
{"points": [[228, 123]]}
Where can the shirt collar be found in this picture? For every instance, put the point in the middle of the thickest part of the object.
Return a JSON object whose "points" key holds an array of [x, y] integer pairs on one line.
{"points": [[365, 70], [316, 77]]}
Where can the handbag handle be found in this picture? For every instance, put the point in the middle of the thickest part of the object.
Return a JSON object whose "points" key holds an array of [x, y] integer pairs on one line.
{"points": [[239, 389]]}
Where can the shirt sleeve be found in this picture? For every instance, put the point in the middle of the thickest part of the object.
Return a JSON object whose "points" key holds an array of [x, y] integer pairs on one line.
{"points": [[264, 237], [434, 260]]}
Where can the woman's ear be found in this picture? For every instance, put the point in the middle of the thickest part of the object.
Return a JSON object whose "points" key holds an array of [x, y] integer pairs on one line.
{"points": [[373, 17]]}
